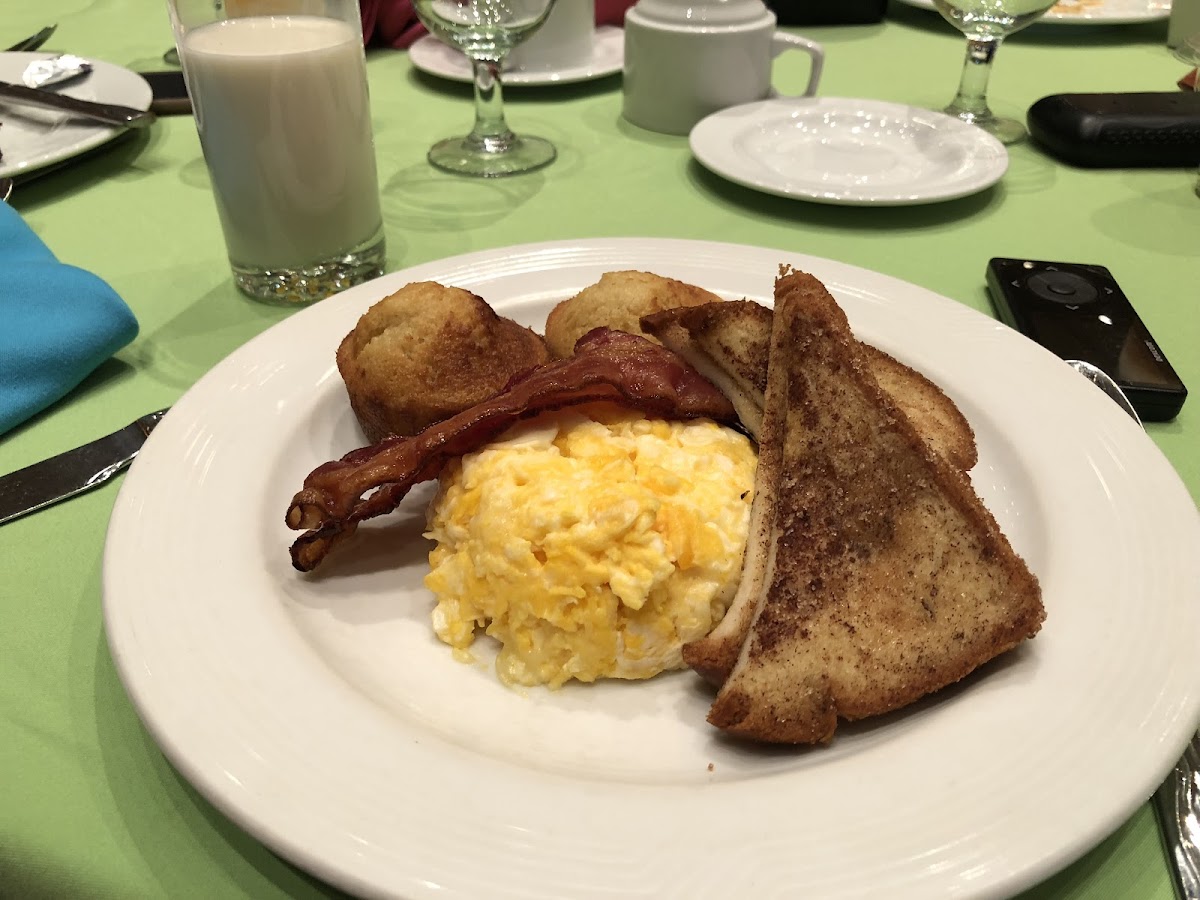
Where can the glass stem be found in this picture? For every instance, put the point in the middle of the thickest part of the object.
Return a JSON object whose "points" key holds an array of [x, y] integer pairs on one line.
{"points": [[491, 133], [970, 102]]}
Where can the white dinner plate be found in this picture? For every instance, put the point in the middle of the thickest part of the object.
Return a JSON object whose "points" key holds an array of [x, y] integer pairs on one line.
{"points": [[322, 715], [1093, 12], [848, 151], [608, 57], [31, 137]]}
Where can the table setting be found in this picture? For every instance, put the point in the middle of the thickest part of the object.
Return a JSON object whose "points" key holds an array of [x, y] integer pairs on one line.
{"points": [[186, 714]]}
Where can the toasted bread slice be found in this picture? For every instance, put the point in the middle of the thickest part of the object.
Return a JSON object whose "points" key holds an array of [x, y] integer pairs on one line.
{"points": [[885, 578], [728, 343], [936, 416]]}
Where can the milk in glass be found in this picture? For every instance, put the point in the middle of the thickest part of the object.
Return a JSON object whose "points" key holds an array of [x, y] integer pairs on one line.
{"points": [[281, 107]]}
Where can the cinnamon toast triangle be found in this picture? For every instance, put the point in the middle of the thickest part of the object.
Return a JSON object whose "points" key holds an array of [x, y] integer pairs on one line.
{"points": [[880, 577], [729, 343]]}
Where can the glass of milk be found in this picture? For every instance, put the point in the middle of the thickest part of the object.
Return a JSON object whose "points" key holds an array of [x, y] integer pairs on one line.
{"points": [[279, 93]]}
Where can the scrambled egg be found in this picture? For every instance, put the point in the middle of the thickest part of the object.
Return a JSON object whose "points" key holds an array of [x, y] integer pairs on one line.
{"points": [[591, 542]]}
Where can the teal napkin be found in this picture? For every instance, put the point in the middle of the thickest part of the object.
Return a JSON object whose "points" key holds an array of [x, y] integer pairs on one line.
{"points": [[57, 323]]}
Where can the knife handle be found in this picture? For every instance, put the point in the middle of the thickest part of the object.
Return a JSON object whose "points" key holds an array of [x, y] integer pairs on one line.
{"points": [[108, 113]]}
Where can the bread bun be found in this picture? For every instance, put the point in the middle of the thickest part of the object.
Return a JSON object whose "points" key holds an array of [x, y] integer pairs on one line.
{"points": [[618, 300], [428, 352]]}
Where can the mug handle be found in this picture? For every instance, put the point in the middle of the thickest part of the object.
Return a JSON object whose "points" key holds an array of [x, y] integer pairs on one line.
{"points": [[782, 41]]}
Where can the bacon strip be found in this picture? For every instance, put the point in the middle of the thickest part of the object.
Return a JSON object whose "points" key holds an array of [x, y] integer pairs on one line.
{"points": [[607, 365]]}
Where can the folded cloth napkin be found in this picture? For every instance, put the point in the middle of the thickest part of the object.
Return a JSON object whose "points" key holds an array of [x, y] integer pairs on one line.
{"points": [[57, 323], [392, 23]]}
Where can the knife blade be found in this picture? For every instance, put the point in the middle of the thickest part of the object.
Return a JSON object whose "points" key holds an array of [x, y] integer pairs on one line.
{"points": [[73, 472], [108, 113]]}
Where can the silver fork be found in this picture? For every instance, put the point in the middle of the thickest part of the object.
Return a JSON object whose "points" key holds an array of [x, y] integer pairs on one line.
{"points": [[1177, 800]]}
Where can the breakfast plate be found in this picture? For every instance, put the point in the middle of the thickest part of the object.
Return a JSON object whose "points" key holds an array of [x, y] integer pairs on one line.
{"points": [[31, 138], [321, 714], [848, 151], [1093, 12], [432, 57]]}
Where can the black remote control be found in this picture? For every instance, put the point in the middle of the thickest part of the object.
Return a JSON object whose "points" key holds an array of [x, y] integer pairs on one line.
{"points": [[1079, 311]]}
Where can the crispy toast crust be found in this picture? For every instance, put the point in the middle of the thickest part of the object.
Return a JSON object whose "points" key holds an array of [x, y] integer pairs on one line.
{"points": [[886, 577]]}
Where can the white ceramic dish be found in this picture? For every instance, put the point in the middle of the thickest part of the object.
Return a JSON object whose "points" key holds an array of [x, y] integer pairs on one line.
{"points": [[31, 137], [1093, 12], [431, 56], [321, 714], [848, 151]]}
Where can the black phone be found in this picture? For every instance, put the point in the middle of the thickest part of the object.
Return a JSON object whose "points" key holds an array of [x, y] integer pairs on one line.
{"points": [[169, 93], [1078, 311]]}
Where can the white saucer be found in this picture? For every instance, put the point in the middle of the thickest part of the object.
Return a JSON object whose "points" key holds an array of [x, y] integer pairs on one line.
{"points": [[848, 151], [608, 57], [1093, 12]]}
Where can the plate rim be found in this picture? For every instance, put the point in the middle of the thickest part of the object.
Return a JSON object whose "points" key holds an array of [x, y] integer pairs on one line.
{"points": [[541, 256], [428, 55], [710, 136], [136, 93]]}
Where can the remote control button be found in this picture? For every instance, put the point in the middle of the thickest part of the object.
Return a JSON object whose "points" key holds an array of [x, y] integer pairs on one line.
{"points": [[1063, 287]]}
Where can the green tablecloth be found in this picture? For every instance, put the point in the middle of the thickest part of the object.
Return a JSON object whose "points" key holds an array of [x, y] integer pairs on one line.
{"points": [[88, 806]]}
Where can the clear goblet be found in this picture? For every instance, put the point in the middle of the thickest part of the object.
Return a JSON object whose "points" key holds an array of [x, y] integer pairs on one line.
{"points": [[1188, 52], [486, 30], [986, 23]]}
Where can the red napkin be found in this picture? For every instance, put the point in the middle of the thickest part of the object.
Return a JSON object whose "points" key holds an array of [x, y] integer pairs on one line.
{"points": [[392, 23]]}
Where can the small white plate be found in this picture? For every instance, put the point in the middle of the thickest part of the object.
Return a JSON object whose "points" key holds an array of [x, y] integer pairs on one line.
{"points": [[608, 57], [31, 138], [1093, 12], [847, 151]]}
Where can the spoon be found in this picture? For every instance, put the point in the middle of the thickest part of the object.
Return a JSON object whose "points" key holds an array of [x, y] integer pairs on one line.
{"points": [[1100, 378], [1177, 799]]}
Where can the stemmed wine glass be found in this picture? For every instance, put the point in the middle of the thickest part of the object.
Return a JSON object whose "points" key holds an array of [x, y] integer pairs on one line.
{"points": [[486, 30], [986, 23], [1188, 52]]}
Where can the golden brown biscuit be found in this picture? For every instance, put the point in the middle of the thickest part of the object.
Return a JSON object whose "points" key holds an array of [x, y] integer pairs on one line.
{"points": [[428, 352], [618, 300]]}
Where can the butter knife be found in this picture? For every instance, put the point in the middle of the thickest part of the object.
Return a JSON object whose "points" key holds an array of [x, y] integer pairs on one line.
{"points": [[68, 474], [108, 113]]}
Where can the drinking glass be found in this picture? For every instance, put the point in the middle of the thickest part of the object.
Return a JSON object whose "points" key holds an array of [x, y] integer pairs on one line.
{"points": [[486, 30], [279, 97], [986, 23], [1188, 52]]}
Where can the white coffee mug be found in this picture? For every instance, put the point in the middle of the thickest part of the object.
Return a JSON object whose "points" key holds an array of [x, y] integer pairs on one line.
{"points": [[564, 40], [681, 67]]}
